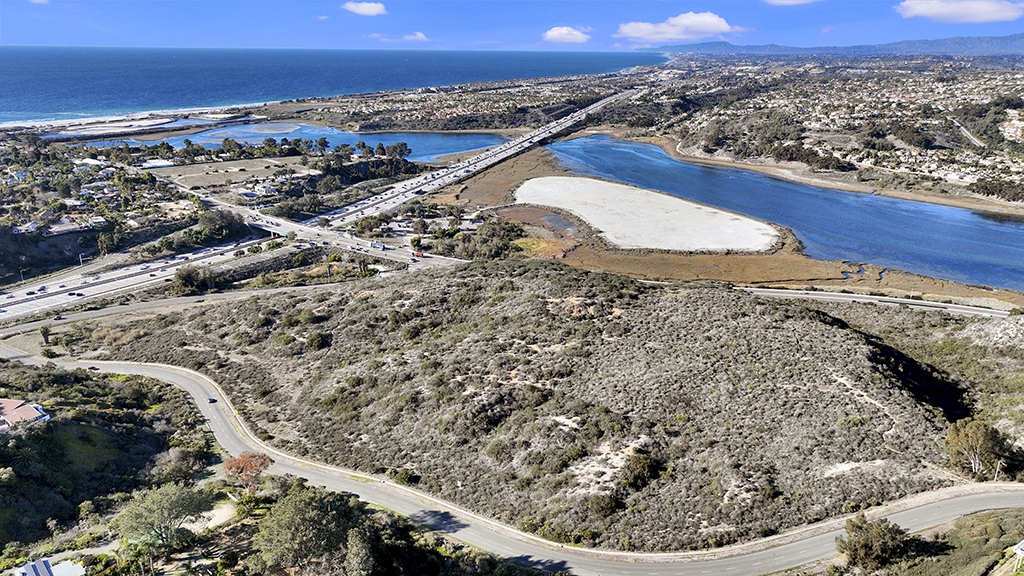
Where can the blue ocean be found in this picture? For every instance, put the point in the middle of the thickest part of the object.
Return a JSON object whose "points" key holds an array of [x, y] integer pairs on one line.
{"points": [[65, 83]]}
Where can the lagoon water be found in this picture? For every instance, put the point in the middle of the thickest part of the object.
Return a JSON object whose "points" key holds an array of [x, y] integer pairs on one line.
{"points": [[67, 83], [426, 147], [940, 241]]}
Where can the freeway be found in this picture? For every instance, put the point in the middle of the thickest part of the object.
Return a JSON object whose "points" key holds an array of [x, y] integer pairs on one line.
{"points": [[779, 552], [71, 289], [410, 189], [965, 133], [883, 300], [34, 298]]}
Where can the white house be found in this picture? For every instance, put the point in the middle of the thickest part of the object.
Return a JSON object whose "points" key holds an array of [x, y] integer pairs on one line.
{"points": [[43, 568]]}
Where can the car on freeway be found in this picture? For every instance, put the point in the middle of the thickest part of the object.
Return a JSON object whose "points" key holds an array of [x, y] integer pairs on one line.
{"points": [[58, 317], [151, 274], [30, 293], [2, 310], [93, 368], [42, 289], [211, 400], [95, 277], [61, 286], [9, 296], [144, 267]]}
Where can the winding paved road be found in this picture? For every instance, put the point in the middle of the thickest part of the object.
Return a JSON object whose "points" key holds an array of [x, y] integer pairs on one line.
{"points": [[779, 552]]}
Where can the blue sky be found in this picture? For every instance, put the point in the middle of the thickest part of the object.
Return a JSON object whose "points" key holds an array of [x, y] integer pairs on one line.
{"points": [[602, 25]]}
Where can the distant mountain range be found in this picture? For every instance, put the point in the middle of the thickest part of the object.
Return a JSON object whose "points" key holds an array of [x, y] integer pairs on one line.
{"points": [[959, 46]]}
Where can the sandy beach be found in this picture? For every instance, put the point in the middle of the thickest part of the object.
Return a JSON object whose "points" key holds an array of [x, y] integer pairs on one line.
{"points": [[631, 218]]}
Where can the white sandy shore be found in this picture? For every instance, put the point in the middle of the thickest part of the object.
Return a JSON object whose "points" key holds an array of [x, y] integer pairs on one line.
{"points": [[131, 117], [632, 217]]}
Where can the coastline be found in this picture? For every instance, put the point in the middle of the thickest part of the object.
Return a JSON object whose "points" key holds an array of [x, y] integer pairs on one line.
{"points": [[144, 115]]}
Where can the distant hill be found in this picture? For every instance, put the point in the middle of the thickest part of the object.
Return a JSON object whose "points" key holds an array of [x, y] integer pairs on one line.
{"points": [[959, 46]]}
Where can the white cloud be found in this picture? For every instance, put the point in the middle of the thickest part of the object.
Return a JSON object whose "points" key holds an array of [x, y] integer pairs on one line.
{"points": [[827, 29], [566, 34], [322, 17], [365, 8], [688, 26], [789, 2], [962, 11], [416, 37], [39, 1]]}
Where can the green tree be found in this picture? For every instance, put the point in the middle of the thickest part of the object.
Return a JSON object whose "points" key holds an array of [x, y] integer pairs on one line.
{"points": [[972, 444], [306, 524], [871, 545], [322, 144], [380, 151], [45, 331], [229, 145], [359, 558], [162, 512], [328, 184], [107, 242], [344, 151], [398, 150]]}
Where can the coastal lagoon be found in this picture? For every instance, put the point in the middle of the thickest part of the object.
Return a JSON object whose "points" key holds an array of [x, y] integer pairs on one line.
{"points": [[940, 241], [426, 147]]}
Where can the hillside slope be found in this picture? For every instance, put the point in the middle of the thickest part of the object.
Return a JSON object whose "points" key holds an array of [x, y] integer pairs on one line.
{"points": [[583, 406]]}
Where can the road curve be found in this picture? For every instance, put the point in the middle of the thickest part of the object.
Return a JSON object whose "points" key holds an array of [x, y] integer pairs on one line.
{"points": [[787, 550]]}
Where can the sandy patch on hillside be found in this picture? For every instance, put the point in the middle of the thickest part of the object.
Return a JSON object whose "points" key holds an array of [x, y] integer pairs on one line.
{"points": [[631, 217]]}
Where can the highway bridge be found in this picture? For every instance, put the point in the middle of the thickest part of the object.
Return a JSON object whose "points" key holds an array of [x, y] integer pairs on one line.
{"points": [[410, 189]]}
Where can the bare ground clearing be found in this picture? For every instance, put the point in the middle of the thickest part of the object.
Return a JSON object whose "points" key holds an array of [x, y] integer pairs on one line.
{"points": [[226, 173]]}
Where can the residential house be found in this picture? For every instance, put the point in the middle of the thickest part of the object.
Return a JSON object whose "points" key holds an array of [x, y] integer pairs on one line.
{"points": [[16, 411], [43, 568]]}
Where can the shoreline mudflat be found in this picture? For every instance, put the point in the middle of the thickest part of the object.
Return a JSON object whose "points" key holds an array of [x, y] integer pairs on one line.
{"points": [[634, 218]]}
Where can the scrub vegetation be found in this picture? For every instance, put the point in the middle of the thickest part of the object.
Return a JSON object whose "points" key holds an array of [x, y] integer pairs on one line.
{"points": [[106, 437], [593, 409]]}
